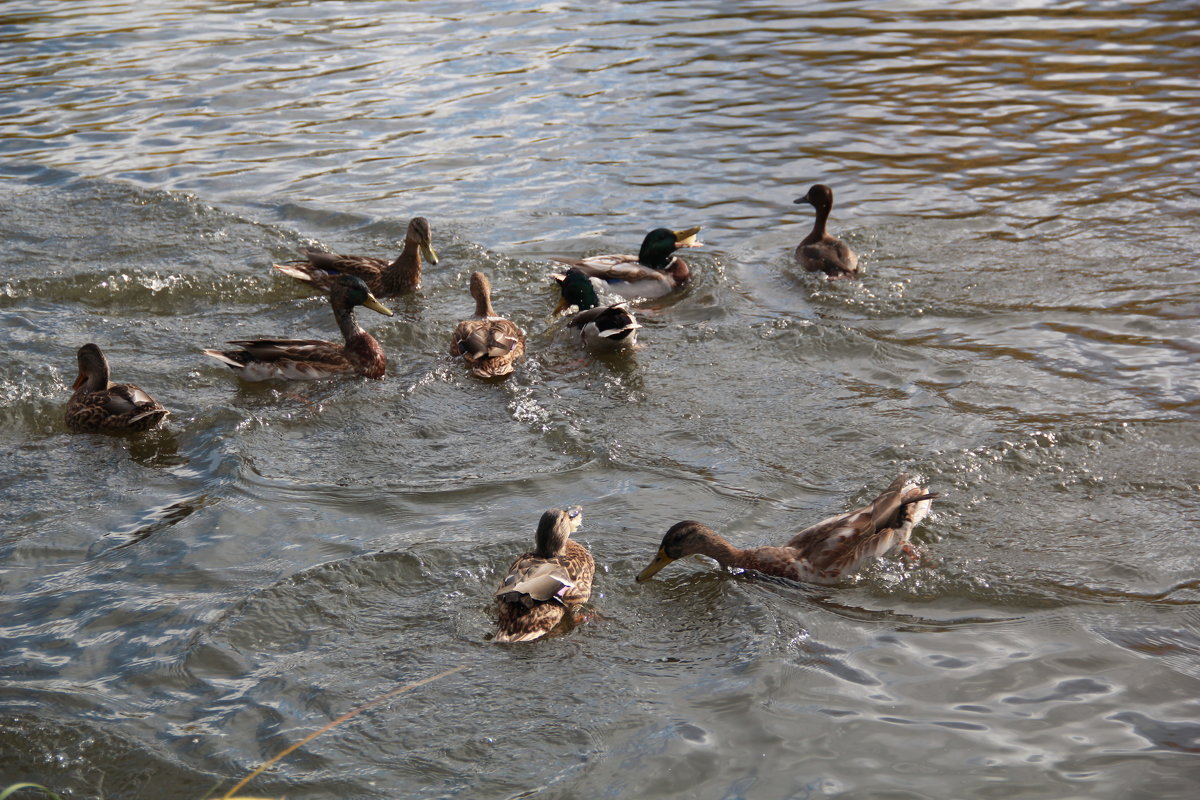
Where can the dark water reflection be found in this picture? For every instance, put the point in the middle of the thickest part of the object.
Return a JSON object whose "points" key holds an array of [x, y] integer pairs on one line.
{"points": [[1018, 178]]}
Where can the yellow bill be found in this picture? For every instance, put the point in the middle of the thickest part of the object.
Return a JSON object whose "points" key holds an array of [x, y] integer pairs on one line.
{"points": [[660, 561], [375, 305], [427, 251], [687, 237]]}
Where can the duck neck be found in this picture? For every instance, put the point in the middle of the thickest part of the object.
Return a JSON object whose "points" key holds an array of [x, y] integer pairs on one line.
{"points": [[656, 256], [818, 229], [483, 306], [347, 322], [94, 381], [720, 550], [404, 274]]}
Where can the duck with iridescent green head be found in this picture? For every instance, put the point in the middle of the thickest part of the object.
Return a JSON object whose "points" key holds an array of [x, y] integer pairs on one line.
{"points": [[602, 328], [653, 273], [314, 359]]}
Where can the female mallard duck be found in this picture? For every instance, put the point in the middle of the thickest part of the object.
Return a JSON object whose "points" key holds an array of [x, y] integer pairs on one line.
{"points": [[819, 251], [313, 359], [99, 405], [543, 586], [823, 553], [489, 343], [654, 272], [402, 276], [602, 329]]}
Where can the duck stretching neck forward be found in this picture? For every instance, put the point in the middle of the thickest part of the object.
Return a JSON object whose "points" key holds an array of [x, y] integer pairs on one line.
{"points": [[821, 553]]}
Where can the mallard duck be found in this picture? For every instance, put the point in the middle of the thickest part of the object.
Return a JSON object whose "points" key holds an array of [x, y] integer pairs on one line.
{"points": [[602, 329], [488, 343], [654, 272], [101, 406], [819, 251], [823, 553], [402, 276], [313, 359], [543, 586]]}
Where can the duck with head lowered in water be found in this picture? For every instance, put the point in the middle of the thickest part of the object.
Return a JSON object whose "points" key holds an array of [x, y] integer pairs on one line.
{"points": [[653, 273], [820, 251], [823, 553]]}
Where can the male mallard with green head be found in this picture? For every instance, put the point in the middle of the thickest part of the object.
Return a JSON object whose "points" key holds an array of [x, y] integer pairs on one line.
{"points": [[602, 328], [654, 272]]}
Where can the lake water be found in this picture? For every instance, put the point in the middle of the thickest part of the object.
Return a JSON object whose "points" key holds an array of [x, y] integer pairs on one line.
{"points": [[1020, 181]]}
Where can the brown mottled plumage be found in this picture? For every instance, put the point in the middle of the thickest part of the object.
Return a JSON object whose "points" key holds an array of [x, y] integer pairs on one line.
{"points": [[488, 343], [821, 553], [402, 276], [101, 406], [545, 585], [313, 359], [819, 251]]}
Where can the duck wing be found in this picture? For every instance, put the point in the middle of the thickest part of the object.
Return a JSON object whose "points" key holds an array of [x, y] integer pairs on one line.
{"points": [[845, 541]]}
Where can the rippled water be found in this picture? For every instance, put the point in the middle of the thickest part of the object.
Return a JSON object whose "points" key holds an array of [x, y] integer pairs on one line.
{"points": [[1018, 177]]}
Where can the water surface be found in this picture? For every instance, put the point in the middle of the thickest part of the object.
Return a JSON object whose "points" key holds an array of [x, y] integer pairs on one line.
{"points": [[1019, 181]]}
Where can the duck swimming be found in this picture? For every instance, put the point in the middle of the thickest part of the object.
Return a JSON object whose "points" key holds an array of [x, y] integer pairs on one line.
{"points": [[543, 586], [402, 276], [654, 272], [822, 553], [488, 343], [314, 359], [602, 328], [819, 251], [101, 406]]}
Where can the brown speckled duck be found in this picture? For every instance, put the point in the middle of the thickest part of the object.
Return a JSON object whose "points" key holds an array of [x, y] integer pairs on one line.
{"points": [[543, 586], [402, 276], [823, 553], [819, 251], [654, 272], [488, 343], [313, 359], [101, 406]]}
